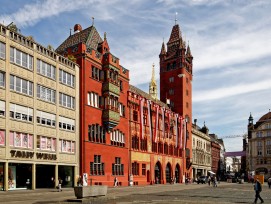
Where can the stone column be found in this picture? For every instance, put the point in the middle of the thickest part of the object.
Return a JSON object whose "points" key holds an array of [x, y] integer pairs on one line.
{"points": [[6, 176], [33, 176]]}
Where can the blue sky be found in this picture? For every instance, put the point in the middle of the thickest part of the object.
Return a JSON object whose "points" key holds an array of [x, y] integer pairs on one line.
{"points": [[229, 39]]}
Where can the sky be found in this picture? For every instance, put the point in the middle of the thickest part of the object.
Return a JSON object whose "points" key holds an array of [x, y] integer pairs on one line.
{"points": [[229, 40]]}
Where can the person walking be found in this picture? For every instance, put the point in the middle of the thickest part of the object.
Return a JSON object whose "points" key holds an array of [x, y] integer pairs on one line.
{"points": [[258, 189], [209, 180], [269, 182], [59, 184], [116, 182], [215, 181], [80, 181]]}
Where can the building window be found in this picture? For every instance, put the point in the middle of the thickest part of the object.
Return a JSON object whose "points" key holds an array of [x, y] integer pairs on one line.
{"points": [[171, 79], [20, 85], [66, 123], [122, 109], [135, 115], [259, 152], [97, 167], [46, 94], [135, 142], [2, 138], [93, 100], [66, 78], [117, 167], [95, 73], [66, 146], [143, 169], [2, 50], [135, 169], [121, 85], [117, 138], [2, 79], [21, 112], [268, 150], [143, 144], [46, 143], [21, 58], [96, 133], [46, 69], [47, 119], [171, 91], [66, 100], [187, 92], [259, 143], [2, 108], [24, 140]]}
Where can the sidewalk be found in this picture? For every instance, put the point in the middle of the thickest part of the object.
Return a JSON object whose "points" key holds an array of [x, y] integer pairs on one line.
{"points": [[53, 196]]}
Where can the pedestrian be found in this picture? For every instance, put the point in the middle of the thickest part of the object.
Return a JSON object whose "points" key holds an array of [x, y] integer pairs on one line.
{"points": [[52, 182], [269, 182], [215, 181], [116, 182], [258, 189], [59, 184], [80, 181], [209, 180]]}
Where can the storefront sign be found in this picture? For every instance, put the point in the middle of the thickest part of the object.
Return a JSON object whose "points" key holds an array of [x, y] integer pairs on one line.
{"points": [[46, 156], [21, 154], [25, 154]]}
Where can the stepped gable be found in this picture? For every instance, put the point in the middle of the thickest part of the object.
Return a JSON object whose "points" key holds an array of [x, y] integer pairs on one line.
{"points": [[88, 36], [147, 96]]}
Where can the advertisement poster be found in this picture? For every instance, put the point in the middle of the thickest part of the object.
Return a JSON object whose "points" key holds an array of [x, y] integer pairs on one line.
{"points": [[11, 177], [85, 179]]}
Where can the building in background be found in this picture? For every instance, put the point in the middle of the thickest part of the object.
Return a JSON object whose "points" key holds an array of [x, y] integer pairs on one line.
{"points": [[104, 117], [201, 150], [259, 146], [39, 114], [222, 161], [215, 153]]}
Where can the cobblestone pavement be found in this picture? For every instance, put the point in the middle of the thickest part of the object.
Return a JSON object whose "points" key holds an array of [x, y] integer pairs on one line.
{"points": [[225, 193]]}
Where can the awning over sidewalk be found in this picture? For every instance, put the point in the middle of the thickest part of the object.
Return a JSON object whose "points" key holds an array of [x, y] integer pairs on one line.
{"points": [[211, 172]]}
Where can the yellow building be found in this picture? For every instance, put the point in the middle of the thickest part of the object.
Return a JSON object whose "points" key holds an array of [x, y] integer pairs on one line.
{"points": [[259, 146], [39, 115], [201, 149]]}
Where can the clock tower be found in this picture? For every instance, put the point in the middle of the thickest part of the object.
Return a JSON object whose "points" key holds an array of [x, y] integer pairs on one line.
{"points": [[176, 74]]}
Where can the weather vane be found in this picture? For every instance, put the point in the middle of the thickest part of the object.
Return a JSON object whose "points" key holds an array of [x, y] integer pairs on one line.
{"points": [[176, 18]]}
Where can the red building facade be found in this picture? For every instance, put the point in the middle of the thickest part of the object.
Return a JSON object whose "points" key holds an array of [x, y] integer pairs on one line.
{"points": [[104, 84], [124, 132], [176, 69]]}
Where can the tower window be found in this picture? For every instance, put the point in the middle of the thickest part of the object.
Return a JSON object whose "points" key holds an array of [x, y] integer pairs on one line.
{"points": [[171, 79]]}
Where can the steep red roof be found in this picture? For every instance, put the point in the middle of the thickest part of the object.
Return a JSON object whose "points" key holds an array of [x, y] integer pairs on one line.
{"points": [[89, 36]]}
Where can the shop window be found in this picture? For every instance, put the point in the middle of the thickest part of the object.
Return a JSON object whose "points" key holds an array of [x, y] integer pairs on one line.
{"points": [[66, 146], [2, 137], [46, 143], [23, 140]]}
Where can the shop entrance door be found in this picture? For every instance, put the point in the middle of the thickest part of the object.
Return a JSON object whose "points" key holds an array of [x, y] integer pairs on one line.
{"points": [[44, 175]]}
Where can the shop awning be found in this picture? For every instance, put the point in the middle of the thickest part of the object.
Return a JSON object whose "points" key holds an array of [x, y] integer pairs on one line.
{"points": [[211, 172]]}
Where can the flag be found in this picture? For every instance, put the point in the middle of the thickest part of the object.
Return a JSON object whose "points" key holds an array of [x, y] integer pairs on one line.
{"points": [[163, 121], [176, 129], [156, 121], [141, 117], [181, 132], [149, 118]]}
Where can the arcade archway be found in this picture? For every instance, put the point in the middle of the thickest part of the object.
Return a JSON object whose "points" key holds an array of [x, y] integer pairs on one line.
{"points": [[158, 172], [168, 173], [177, 173]]}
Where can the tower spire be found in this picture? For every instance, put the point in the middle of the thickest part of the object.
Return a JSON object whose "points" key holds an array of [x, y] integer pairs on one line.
{"points": [[176, 18], [153, 85]]}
